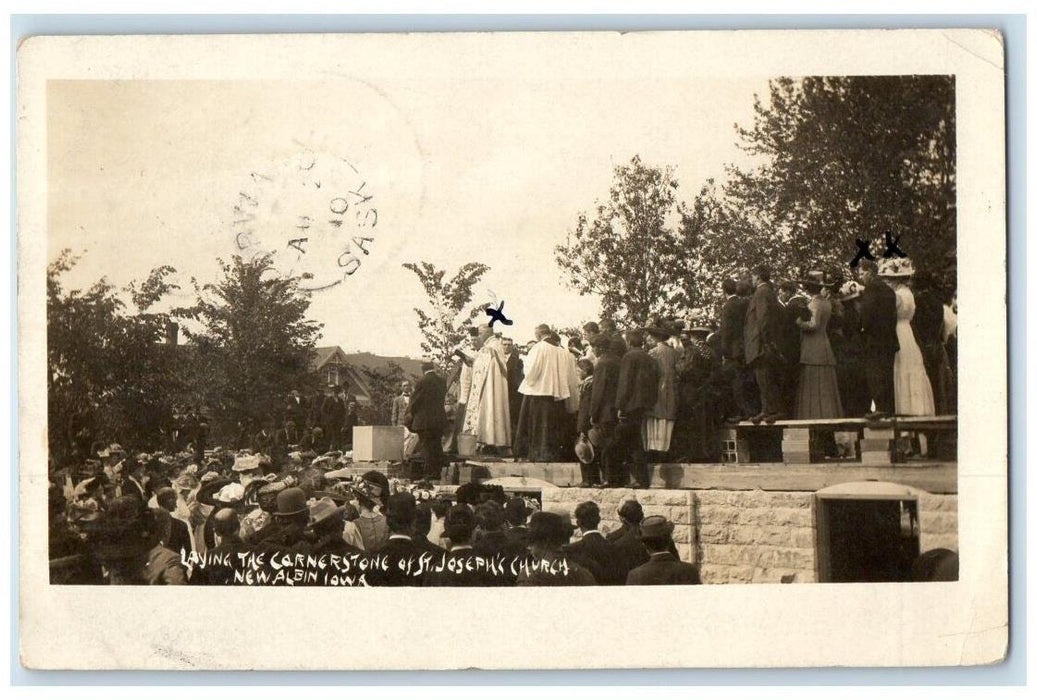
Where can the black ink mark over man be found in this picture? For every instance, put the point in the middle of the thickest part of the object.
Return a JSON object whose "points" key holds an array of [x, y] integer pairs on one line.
{"points": [[498, 315]]}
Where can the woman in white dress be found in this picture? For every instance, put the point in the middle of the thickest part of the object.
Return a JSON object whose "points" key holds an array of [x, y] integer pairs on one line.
{"points": [[913, 394]]}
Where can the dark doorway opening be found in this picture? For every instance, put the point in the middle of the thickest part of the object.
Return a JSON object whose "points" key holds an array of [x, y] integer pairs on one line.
{"points": [[867, 540]]}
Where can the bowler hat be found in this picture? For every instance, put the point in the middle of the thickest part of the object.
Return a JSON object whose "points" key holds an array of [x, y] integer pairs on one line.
{"points": [[401, 507], [291, 501], [655, 526]]}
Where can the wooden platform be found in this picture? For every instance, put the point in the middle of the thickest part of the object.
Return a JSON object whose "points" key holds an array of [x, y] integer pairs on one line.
{"points": [[934, 477]]}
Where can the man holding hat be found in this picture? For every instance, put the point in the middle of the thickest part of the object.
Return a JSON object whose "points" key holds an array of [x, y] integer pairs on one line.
{"points": [[635, 396], [662, 568]]}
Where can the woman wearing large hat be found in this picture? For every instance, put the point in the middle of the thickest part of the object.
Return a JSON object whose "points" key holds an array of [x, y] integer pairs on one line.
{"points": [[912, 392], [817, 395]]}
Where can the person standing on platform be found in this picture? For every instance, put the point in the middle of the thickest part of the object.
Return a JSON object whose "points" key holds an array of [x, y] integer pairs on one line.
{"points": [[399, 404], [332, 415], [818, 392], [927, 325], [486, 415], [849, 367], [603, 415], [762, 354], [658, 423], [426, 416], [912, 392], [514, 366], [546, 384], [878, 307], [732, 349], [635, 396]]}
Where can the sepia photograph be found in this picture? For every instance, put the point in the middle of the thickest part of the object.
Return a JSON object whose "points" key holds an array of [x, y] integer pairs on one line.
{"points": [[536, 311]]}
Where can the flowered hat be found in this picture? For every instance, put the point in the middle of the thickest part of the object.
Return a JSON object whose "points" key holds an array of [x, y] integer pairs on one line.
{"points": [[850, 290], [896, 267]]}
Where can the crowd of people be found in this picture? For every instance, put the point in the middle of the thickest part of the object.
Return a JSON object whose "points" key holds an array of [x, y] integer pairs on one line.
{"points": [[813, 348], [155, 520]]}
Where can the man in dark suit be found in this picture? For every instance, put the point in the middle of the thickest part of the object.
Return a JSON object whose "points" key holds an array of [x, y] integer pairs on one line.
{"points": [[662, 568], [603, 406], [405, 566], [761, 344], [636, 394], [879, 332], [593, 550], [422, 526], [793, 304], [492, 542], [732, 350], [426, 416], [515, 377], [516, 514], [332, 414], [179, 534]]}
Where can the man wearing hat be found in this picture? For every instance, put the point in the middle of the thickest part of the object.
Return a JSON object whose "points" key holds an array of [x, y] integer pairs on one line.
{"points": [[548, 564], [291, 518], [878, 310], [324, 532], [425, 415], [662, 568]]}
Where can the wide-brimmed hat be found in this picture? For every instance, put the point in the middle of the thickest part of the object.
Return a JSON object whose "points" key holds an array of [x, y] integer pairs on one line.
{"points": [[655, 526], [659, 332], [325, 512], [291, 501], [221, 493], [247, 463], [896, 267], [850, 290]]}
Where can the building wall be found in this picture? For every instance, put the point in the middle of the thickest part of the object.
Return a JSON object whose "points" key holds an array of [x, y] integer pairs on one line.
{"points": [[747, 536]]}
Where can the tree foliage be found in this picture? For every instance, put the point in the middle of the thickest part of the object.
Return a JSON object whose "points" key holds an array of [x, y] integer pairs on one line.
{"points": [[449, 310], [629, 253], [254, 344], [384, 383], [838, 158], [109, 376]]}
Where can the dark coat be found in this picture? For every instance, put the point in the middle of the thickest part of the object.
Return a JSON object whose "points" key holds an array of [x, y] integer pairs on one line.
{"points": [[638, 382], [599, 555], [426, 404], [762, 324], [879, 319], [664, 570], [179, 536], [218, 574], [790, 337], [603, 393], [732, 328], [498, 544], [404, 563], [927, 323], [332, 413]]}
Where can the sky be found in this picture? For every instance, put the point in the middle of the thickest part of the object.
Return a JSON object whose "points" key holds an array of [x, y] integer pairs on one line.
{"points": [[458, 167]]}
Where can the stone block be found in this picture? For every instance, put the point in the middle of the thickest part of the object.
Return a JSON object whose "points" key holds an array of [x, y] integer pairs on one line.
{"points": [[803, 537], [711, 498], [938, 522]]}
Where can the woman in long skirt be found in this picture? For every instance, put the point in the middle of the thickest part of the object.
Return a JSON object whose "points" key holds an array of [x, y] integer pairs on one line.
{"points": [[912, 392], [818, 393]]}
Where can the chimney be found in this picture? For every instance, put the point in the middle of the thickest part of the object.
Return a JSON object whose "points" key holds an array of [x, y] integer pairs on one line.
{"points": [[172, 333]]}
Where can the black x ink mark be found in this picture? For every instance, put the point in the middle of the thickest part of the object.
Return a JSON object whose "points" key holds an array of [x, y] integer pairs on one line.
{"points": [[498, 315], [892, 249], [863, 251]]}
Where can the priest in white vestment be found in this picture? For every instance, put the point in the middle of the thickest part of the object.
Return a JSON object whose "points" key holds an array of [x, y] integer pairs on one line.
{"points": [[549, 383], [486, 413]]}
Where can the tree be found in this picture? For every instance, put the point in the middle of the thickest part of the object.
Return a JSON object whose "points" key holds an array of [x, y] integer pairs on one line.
{"points": [[851, 157], [443, 325], [630, 253], [109, 376], [254, 345], [384, 383]]}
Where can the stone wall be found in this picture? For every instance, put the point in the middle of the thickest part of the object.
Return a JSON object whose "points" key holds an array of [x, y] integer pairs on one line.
{"points": [[748, 536], [756, 536], [938, 521]]}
